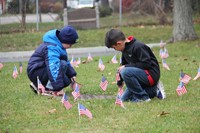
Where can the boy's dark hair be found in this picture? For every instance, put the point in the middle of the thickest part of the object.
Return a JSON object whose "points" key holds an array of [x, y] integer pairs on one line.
{"points": [[113, 36]]}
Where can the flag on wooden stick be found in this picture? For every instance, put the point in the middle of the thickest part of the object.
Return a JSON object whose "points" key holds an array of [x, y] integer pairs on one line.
{"points": [[162, 44], [89, 58], [118, 101], [78, 61], [1, 66], [101, 66], [73, 62], [164, 53], [165, 66], [181, 89], [104, 83], [66, 102], [15, 72], [120, 91], [76, 92], [114, 60], [82, 110], [185, 78]]}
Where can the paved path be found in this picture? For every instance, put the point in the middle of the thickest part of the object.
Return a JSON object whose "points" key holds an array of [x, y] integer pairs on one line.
{"points": [[30, 18], [76, 52]]}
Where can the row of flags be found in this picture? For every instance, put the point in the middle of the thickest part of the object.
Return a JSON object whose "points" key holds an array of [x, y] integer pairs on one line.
{"points": [[103, 85], [82, 110], [101, 65], [184, 78], [164, 55]]}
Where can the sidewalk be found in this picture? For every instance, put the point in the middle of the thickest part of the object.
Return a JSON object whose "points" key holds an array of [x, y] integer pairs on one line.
{"points": [[75, 52], [30, 18]]}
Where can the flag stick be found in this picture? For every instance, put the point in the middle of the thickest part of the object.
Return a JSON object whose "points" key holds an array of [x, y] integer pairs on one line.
{"points": [[79, 114]]}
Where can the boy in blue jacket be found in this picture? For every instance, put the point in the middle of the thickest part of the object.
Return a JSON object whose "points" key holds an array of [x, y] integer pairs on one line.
{"points": [[50, 61]]}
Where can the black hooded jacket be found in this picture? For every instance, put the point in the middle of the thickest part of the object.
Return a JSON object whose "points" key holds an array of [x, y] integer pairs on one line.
{"points": [[137, 54]]}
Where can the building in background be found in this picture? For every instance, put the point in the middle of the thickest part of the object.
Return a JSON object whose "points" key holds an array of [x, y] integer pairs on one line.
{"points": [[80, 3]]}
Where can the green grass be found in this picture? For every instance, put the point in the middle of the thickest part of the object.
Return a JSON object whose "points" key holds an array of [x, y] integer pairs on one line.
{"points": [[87, 38], [144, 28], [22, 111]]}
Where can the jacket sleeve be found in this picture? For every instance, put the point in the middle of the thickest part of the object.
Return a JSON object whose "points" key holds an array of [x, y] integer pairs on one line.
{"points": [[70, 71]]}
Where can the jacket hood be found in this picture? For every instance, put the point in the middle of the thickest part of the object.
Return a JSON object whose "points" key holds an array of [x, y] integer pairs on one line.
{"points": [[50, 37]]}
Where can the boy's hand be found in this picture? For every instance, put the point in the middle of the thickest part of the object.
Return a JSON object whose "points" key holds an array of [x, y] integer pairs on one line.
{"points": [[120, 83]]}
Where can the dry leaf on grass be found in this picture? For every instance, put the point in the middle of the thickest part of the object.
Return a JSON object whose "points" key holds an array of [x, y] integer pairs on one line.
{"points": [[163, 113], [52, 111]]}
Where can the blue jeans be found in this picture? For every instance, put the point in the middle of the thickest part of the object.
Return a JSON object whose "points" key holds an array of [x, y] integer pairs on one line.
{"points": [[137, 84]]}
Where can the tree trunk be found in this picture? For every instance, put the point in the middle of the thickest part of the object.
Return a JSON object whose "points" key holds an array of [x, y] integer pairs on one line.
{"points": [[182, 21], [23, 11]]}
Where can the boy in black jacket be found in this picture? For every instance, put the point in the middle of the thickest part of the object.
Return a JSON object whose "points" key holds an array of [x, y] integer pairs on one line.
{"points": [[139, 69]]}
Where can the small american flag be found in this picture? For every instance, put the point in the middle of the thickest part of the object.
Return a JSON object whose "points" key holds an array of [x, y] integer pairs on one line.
{"points": [[40, 86], [162, 44], [20, 67], [104, 83], [185, 78], [79, 61], [165, 64], [84, 111], [114, 60], [1, 66], [73, 62], [66, 102], [15, 72], [101, 65], [89, 58], [119, 101], [198, 74], [76, 92], [120, 91], [164, 53], [181, 89]]}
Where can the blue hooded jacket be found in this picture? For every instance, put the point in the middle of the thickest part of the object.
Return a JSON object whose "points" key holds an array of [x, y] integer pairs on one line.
{"points": [[49, 54]]}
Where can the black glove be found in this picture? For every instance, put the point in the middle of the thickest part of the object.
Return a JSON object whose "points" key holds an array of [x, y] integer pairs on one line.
{"points": [[119, 83]]}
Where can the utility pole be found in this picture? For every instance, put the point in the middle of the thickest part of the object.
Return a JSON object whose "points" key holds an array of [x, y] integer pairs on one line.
{"points": [[120, 12], [65, 17], [37, 16]]}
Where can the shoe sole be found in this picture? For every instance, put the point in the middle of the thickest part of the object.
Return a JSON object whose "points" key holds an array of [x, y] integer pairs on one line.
{"points": [[33, 89]]}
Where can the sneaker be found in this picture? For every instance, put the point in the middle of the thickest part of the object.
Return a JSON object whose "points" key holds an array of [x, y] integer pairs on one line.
{"points": [[160, 92], [53, 93], [34, 88]]}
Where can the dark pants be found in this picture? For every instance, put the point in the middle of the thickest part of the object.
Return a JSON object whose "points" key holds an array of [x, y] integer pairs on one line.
{"points": [[137, 84], [43, 75]]}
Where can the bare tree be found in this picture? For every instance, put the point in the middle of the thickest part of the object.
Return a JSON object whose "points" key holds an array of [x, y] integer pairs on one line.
{"points": [[182, 21], [23, 11]]}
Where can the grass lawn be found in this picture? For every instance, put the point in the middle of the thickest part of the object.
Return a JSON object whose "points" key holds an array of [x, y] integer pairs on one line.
{"points": [[23, 111]]}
